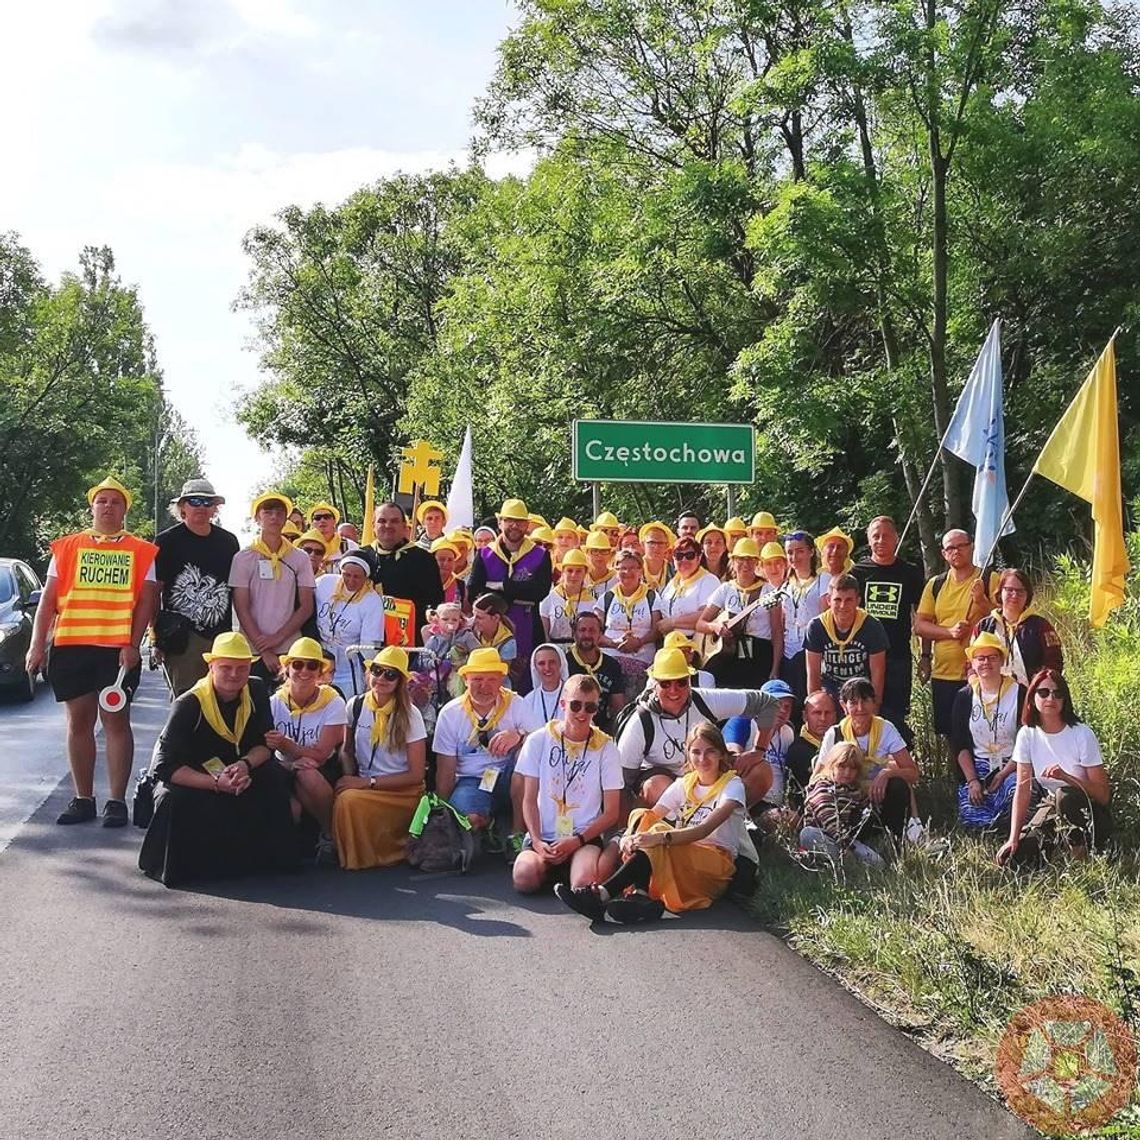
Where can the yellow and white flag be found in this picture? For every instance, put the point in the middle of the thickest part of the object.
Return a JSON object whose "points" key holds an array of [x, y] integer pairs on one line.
{"points": [[367, 535]]}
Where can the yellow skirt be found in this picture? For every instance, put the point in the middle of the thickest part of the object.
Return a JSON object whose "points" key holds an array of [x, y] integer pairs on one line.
{"points": [[370, 826], [691, 876]]}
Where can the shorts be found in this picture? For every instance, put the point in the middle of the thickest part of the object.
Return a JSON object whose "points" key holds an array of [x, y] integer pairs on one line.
{"points": [[467, 797], [942, 694], [595, 842], [635, 777], [78, 670]]}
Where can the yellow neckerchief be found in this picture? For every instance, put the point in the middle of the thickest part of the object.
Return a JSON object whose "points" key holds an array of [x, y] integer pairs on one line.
{"points": [[381, 714], [208, 702], [1008, 629], [578, 598], [657, 581], [744, 593], [680, 585], [501, 634], [394, 554], [630, 604], [275, 556], [874, 736], [324, 694], [332, 545], [451, 580], [598, 581], [99, 536], [478, 724], [814, 741], [691, 805], [339, 594], [590, 669], [990, 709], [525, 547], [829, 625]]}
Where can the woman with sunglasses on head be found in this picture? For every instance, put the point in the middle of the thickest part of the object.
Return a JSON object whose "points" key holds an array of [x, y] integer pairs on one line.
{"points": [[1031, 642], [1061, 756], [308, 729], [383, 760], [349, 612], [688, 591]]}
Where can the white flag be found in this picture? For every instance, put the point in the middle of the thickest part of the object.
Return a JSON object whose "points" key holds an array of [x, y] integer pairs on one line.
{"points": [[977, 436], [461, 497]]}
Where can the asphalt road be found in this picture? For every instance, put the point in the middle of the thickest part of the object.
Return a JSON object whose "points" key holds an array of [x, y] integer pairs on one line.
{"points": [[398, 1004]]}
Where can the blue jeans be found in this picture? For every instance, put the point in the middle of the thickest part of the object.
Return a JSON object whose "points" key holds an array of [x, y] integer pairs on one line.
{"points": [[467, 797]]}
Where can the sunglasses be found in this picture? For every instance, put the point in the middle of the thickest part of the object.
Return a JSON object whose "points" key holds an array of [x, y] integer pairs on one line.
{"points": [[685, 555], [576, 706], [679, 683], [385, 671], [307, 666], [797, 536], [1045, 693], [323, 517], [198, 501]]}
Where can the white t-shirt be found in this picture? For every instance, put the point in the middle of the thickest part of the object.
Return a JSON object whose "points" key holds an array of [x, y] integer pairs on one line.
{"points": [[776, 754], [303, 727], [732, 835], [889, 743], [730, 599], [558, 612], [1075, 747], [801, 604], [456, 736], [572, 772], [379, 761], [620, 620], [684, 596], [344, 623]]}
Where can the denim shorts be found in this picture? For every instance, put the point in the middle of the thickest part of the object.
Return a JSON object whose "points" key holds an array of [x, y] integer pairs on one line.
{"points": [[467, 797]]}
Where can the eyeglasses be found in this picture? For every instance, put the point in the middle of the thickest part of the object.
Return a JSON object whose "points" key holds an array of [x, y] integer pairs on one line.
{"points": [[1047, 693], [324, 516], [385, 671], [677, 683], [198, 501], [306, 665], [577, 706], [685, 555], [957, 546], [1012, 590]]}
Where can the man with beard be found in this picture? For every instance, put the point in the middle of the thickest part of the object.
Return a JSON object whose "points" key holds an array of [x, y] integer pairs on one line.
{"points": [[585, 656]]}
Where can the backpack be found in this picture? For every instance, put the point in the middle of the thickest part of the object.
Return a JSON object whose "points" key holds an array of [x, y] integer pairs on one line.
{"points": [[440, 837], [648, 729]]}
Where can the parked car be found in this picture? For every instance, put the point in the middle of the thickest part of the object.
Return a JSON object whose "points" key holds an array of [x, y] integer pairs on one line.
{"points": [[20, 591]]}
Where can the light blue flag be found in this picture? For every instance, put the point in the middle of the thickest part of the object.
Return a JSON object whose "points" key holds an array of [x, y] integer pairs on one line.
{"points": [[977, 436]]}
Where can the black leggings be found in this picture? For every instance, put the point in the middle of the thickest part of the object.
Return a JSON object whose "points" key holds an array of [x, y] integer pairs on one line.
{"points": [[634, 872]]}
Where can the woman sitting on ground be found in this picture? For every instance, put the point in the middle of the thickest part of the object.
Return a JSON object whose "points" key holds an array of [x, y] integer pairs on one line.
{"points": [[221, 808], [681, 853], [1031, 642], [308, 730], [984, 724], [837, 807], [1059, 753], [383, 761]]}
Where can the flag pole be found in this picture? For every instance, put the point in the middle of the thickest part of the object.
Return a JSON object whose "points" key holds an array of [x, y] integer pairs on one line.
{"points": [[925, 483], [1005, 519]]}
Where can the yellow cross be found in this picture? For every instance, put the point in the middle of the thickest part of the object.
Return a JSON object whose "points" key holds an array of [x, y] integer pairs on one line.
{"points": [[417, 468]]}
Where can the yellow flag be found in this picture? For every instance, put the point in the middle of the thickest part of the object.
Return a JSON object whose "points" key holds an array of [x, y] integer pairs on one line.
{"points": [[367, 537], [1083, 456]]}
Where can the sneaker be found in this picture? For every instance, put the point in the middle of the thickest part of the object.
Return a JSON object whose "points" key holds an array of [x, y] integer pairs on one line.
{"points": [[585, 900], [492, 840], [80, 810], [326, 855], [114, 813], [514, 845], [634, 907]]}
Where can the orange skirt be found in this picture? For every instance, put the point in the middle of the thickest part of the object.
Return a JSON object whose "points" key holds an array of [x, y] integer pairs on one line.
{"points": [[691, 876], [370, 826]]}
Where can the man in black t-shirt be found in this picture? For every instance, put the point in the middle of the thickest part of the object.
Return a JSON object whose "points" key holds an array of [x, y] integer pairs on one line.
{"points": [[845, 642], [891, 589], [585, 657], [193, 571]]}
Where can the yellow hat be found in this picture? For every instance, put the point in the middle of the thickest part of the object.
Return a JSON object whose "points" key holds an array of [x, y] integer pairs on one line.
{"points": [[304, 649], [678, 639], [392, 657], [835, 532], [231, 647], [773, 550], [643, 532], [514, 509], [582, 532], [538, 520], [745, 548], [313, 536], [574, 558], [607, 519], [598, 540], [271, 497], [541, 534], [989, 642], [323, 507], [762, 519], [669, 665], [483, 661], [290, 532], [445, 544], [461, 537], [110, 484], [736, 525], [565, 526], [430, 505], [707, 529]]}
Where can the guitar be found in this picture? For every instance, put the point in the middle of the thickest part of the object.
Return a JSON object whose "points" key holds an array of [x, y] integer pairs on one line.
{"points": [[716, 650]]}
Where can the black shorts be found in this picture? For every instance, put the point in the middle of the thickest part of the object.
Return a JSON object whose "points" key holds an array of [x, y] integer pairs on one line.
{"points": [[942, 694], [635, 778], [77, 670]]}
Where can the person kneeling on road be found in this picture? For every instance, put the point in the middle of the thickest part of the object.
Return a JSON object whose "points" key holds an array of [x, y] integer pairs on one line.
{"points": [[572, 783], [682, 853]]}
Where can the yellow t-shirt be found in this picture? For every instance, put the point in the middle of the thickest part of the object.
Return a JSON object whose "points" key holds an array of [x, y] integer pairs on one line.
{"points": [[951, 605]]}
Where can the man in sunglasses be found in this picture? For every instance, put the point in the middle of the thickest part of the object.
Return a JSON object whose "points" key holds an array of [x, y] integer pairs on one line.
{"points": [[193, 570], [652, 739], [571, 793], [323, 518]]}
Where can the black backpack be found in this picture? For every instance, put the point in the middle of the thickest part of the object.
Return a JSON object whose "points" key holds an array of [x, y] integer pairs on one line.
{"points": [[647, 726]]}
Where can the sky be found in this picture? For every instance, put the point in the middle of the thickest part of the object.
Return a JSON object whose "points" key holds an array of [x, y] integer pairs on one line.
{"points": [[166, 129]]}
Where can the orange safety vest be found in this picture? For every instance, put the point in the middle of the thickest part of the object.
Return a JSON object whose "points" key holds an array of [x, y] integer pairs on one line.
{"points": [[99, 586], [399, 621]]}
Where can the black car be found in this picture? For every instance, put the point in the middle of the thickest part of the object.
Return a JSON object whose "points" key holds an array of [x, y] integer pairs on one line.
{"points": [[20, 592]]}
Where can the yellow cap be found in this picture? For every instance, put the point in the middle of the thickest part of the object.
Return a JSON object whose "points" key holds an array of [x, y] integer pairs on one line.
{"points": [[460, 537], [483, 661], [607, 519], [986, 641], [574, 558], [392, 657], [541, 534], [430, 505], [773, 550], [745, 548], [538, 520], [231, 647], [582, 532], [110, 484], [762, 519], [736, 525], [323, 507], [271, 497], [831, 535], [304, 649], [711, 528], [597, 540], [314, 536], [678, 640], [290, 532], [669, 665], [643, 533], [514, 509], [565, 526], [445, 544]]}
